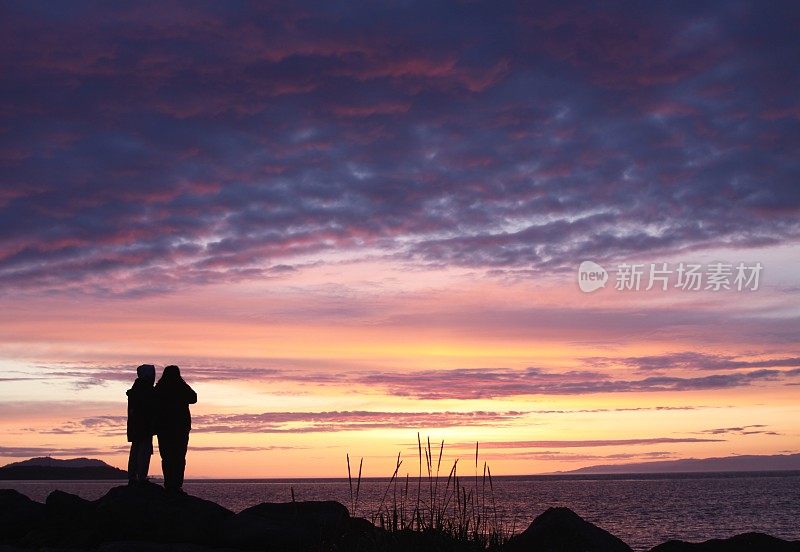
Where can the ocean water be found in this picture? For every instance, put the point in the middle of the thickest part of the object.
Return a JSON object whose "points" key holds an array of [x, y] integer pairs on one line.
{"points": [[641, 510]]}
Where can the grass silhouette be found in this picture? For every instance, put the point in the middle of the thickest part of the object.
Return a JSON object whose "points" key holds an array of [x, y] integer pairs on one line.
{"points": [[463, 512]]}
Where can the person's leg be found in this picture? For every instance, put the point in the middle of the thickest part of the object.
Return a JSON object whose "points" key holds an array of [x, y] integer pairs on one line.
{"points": [[166, 460], [132, 462], [171, 461], [143, 459], [181, 446]]}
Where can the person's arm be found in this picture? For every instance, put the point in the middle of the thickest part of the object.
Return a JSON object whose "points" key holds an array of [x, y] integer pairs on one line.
{"points": [[191, 396]]}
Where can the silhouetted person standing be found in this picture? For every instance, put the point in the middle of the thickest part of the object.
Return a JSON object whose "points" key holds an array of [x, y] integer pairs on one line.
{"points": [[173, 397], [141, 419]]}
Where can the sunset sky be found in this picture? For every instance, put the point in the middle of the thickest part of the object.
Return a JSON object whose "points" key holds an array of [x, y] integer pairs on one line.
{"points": [[351, 222]]}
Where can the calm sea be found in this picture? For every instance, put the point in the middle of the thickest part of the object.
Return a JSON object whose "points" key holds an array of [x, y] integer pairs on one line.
{"points": [[641, 510]]}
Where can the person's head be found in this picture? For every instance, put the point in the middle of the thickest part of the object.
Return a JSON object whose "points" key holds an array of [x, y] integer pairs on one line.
{"points": [[146, 372], [171, 374]]}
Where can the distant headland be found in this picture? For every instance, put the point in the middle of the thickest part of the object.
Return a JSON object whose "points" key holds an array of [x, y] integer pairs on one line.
{"points": [[741, 463], [48, 468]]}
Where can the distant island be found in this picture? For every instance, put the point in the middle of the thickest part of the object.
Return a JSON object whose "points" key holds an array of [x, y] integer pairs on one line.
{"points": [[744, 463], [53, 468]]}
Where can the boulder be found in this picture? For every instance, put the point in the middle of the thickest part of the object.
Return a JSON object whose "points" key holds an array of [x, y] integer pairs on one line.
{"points": [[61, 505], [148, 513], [745, 542], [20, 515], [126, 513], [286, 526], [69, 522], [562, 530]]}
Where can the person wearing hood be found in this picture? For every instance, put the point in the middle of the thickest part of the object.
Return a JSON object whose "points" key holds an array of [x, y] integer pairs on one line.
{"points": [[141, 418], [174, 421]]}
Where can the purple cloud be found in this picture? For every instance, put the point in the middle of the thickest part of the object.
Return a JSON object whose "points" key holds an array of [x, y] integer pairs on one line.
{"points": [[303, 422], [454, 383], [580, 443], [561, 456], [314, 422], [500, 382], [695, 361], [223, 143], [58, 451], [753, 429], [73, 452]]}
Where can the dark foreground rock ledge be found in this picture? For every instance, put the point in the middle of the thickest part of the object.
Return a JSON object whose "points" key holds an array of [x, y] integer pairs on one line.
{"points": [[563, 529], [129, 519]]}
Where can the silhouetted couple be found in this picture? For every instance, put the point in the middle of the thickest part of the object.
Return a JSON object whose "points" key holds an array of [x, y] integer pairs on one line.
{"points": [[162, 410]]}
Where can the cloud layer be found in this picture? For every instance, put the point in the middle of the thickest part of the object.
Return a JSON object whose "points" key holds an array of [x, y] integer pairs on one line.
{"points": [[304, 422], [690, 360], [455, 383], [225, 142]]}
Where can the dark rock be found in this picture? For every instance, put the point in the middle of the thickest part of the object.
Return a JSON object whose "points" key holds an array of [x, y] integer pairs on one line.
{"points": [[745, 542], [287, 526], [128, 514], [148, 519], [68, 506], [562, 530], [20, 515], [149, 513], [69, 522]]}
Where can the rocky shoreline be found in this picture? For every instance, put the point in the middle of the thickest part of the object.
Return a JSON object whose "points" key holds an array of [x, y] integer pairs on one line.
{"points": [[146, 518]]}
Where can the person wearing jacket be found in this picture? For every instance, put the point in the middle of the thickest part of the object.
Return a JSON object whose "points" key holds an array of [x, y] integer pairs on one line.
{"points": [[173, 423], [141, 418]]}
